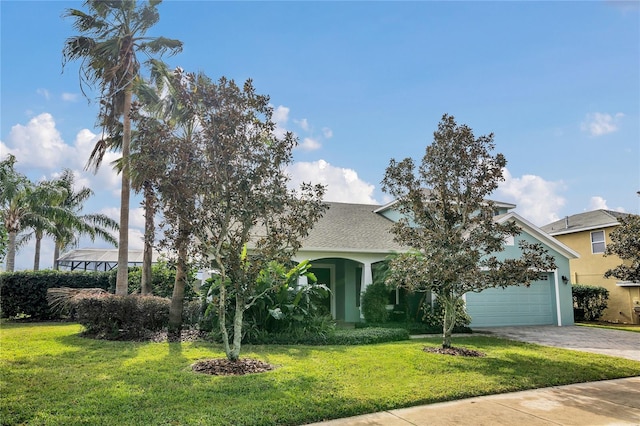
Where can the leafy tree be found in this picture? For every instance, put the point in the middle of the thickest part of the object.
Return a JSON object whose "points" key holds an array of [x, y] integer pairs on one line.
{"points": [[625, 243], [223, 188], [112, 34], [448, 222], [246, 199]]}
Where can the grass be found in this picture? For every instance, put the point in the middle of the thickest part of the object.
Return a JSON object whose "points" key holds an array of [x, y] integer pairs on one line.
{"points": [[635, 328], [51, 376]]}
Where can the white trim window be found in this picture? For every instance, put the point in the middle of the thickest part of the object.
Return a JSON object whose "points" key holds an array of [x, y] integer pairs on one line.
{"points": [[597, 242]]}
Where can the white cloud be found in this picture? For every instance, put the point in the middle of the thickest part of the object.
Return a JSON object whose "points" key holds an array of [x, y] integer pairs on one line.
{"points": [[537, 199], [44, 93], [304, 124], [38, 144], [598, 203], [343, 185], [70, 97], [280, 115], [310, 144], [327, 132], [598, 124]]}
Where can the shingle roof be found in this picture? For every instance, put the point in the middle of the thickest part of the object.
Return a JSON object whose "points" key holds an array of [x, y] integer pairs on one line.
{"points": [[584, 221], [352, 227]]}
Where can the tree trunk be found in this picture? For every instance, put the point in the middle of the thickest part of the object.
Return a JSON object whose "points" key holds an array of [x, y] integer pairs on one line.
{"points": [[234, 353], [122, 277], [177, 298], [149, 237], [36, 256], [56, 255], [449, 319], [11, 251], [222, 313]]}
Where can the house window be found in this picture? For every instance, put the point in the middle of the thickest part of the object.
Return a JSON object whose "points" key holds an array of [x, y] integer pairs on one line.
{"points": [[597, 242]]}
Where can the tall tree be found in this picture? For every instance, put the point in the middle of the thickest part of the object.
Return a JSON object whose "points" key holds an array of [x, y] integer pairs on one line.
{"points": [[112, 34], [163, 112], [448, 222], [625, 243], [250, 216], [70, 227]]}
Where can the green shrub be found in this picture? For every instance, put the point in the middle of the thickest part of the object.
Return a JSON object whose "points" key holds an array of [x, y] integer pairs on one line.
{"points": [[360, 336], [374, 303], [24, 293], [163, 277], [121, 317], [589, 302], [433, 316]]}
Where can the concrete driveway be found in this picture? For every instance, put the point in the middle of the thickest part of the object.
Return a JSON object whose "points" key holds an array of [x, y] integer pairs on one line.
{"points": [[623, 344]]}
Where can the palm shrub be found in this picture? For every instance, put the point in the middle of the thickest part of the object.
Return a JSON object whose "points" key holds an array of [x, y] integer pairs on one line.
{"points": [[285, 311], [589, 302]]}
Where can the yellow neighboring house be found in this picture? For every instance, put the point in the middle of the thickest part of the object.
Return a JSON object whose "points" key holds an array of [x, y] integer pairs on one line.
{"points": [[588, 234]]}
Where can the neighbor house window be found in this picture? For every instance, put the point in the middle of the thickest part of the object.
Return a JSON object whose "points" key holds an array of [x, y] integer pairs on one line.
{"points": [[597, 242]]}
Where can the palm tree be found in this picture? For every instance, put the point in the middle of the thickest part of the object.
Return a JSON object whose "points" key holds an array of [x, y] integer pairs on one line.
{"points": [[25, 205], [112, 34], [68, 229], [13, 189], [48, 197]]}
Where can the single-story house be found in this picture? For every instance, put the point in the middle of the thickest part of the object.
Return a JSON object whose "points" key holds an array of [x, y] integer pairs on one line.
{"points": [[351, 240]]}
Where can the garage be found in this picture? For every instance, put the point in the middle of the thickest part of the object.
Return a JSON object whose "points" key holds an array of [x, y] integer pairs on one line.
{"points": [[516, 305]]}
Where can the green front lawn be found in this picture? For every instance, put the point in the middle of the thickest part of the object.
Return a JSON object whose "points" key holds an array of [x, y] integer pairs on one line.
{"points": [[612, 326], [50, 375]]}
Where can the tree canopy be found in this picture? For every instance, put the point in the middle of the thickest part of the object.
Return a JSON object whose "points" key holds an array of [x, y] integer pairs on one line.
{"points": [[625, 243], [448, 222]]}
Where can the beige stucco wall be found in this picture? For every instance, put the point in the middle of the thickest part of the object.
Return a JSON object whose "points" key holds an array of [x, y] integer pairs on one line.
{"points": [[589, 269]]}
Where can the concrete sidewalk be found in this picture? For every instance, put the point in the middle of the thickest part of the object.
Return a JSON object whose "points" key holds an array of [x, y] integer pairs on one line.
{"points": [[610, 402]]}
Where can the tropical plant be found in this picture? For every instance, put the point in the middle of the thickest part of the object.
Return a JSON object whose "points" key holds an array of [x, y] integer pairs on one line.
{"points": [[70, 227], [112, 34], [448, 222]]}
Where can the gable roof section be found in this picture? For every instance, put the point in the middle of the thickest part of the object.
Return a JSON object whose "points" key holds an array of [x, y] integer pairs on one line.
{"points": [[427, 192], [352, 228], [586, 221], [539, 234]]}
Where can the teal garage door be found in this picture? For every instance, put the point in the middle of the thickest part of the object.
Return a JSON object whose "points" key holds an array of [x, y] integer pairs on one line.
{"points": [[516, 305]]}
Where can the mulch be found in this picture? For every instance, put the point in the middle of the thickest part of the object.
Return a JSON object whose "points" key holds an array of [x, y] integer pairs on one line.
{"points": [[454, 351], [225, 367]]}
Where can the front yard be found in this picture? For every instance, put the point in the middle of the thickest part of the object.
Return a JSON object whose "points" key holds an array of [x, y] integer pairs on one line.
{"points": [[49, 375]]}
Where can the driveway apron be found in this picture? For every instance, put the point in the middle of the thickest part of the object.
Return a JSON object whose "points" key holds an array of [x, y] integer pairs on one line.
{"points": [[623, 344]]}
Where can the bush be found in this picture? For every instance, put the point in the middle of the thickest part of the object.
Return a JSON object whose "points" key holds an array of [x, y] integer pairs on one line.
{"points": [[374, 303], [433, 316], [589, 302], [361, 336], [163, 277], [24, 293], [121, 317]]}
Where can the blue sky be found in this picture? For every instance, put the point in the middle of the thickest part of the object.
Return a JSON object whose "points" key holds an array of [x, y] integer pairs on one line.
{"points": [[359, 83]]}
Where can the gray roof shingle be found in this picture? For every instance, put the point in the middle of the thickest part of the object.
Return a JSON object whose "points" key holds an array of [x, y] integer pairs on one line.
{"points": [[352, 227], [584, 221]]}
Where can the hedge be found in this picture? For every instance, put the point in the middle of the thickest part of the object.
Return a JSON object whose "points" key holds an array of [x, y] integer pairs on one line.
{"points": [[589, 302], [23, 294]]}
